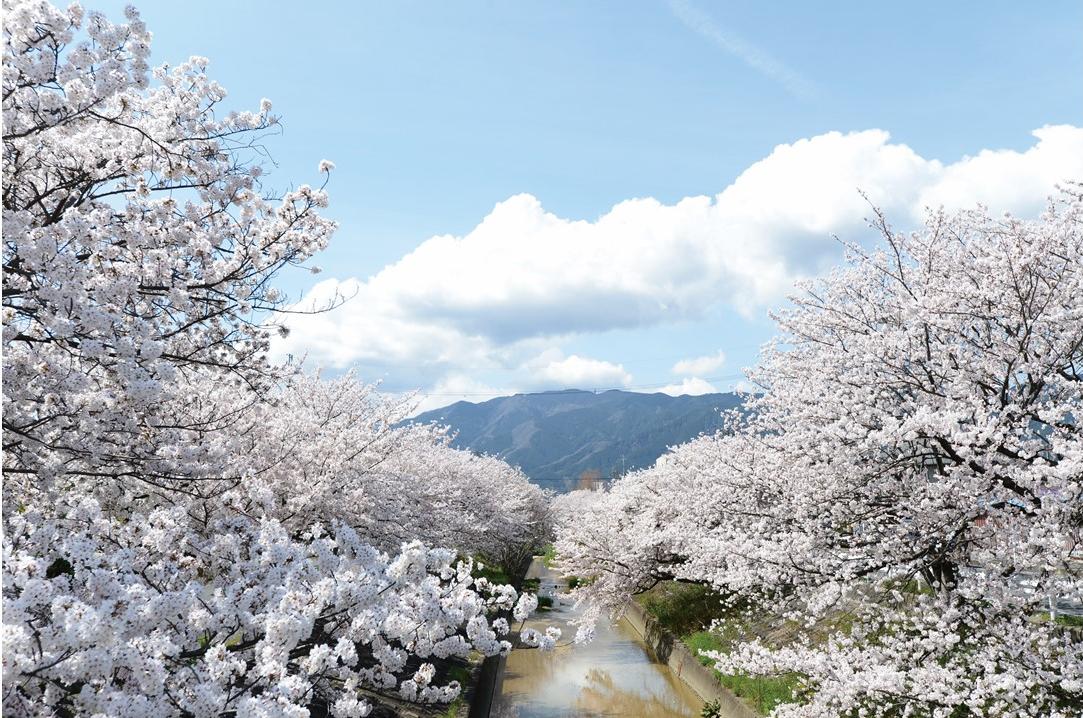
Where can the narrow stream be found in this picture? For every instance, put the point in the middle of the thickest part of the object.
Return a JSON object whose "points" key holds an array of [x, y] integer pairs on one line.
{"points": [[614, 675]]}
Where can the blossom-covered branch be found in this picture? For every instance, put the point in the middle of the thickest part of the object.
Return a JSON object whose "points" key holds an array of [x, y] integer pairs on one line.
{"points": [[912, 470], [189, 529]]}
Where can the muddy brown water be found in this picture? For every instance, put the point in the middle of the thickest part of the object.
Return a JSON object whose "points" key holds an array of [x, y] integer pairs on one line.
{"points": [[614, 675]]}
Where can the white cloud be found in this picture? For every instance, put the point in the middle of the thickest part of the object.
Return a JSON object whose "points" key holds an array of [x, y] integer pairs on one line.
{"points": [[457, 387], [1010, 181], [576, 372], [691, 386], [700, 365], [547, 371], [744, 386], [524, 278]]}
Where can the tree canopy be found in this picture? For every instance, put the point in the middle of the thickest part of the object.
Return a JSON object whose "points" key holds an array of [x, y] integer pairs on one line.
{"points": [[905, 491]]}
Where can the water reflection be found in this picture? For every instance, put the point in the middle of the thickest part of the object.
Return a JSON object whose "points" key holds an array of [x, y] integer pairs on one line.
{"points": [[612, 676]]}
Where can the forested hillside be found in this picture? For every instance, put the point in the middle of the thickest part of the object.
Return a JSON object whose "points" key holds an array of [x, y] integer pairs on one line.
{"points": [[556, 437]]}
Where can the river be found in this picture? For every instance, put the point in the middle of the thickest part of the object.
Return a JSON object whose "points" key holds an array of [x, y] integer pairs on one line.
{"points": [[614, 675]]}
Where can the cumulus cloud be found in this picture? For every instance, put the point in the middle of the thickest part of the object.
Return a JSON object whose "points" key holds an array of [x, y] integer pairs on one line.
{"points": [[524, 277], [548, 370], [1010, 181], [579, 373], [691, 386], [456, 387], [700, 365]]}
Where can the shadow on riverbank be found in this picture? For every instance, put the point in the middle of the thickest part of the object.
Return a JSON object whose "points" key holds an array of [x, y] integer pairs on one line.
{"points": [[614, 675]]}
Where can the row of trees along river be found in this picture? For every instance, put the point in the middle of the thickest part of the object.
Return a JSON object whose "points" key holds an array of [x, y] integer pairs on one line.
{"points": [[892, 529]]}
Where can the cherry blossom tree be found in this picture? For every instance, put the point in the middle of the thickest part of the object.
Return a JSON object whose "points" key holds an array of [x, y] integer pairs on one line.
{"points": [[339, 449], [907, 491], [138, 249], [170, 613], [188, 529]]}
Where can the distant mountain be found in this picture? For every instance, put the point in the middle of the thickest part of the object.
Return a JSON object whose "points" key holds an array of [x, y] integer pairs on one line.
{"points": [[557, 436]]}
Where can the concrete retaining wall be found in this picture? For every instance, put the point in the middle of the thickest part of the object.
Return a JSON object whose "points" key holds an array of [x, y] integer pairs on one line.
{"points": [[488, 681], [682, 662], [486, 688]]}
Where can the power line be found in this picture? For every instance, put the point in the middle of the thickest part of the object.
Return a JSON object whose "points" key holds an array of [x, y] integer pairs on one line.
{"points": [[570, 479], [378, 362], [594, 390]]}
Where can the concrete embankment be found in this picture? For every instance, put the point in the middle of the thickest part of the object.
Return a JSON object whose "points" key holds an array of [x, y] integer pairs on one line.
{"points": [[487, 679], [679, 658], [486, 687], [616, 674]]}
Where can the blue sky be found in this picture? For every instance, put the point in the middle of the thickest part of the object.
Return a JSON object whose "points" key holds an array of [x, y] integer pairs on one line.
{"points": [[436, 112]]}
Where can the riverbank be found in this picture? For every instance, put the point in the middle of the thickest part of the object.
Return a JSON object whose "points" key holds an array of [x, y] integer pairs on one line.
{"points": [[614, 675], [697, 619], [680, 659]]}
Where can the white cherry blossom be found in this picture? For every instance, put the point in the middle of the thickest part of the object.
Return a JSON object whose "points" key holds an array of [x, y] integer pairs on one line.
{"points": [[912, 470], [189, 529]]}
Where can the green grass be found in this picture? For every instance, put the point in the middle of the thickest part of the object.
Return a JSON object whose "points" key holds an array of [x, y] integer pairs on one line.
{"points": [[682, 608], [763, 693], [460, 673], [545, 602], [1061, 619], [463, 673], [577, 581], [487, 569], [452, 709], [549, 558], [689, 611]]}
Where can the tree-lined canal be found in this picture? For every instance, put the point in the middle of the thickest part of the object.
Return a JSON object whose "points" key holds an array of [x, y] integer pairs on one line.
{"points": [[614, 675]]}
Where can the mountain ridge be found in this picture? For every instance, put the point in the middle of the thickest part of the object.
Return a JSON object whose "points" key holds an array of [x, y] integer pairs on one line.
{"points": [[558, 436]]}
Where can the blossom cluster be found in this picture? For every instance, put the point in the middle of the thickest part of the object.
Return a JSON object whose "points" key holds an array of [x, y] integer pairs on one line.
{"points": [[322, 449], [187, 528], [136, 239], [904, 489], [160, 614]]}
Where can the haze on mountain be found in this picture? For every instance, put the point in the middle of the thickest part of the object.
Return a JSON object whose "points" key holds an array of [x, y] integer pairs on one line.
{"points": [[564, 439]]}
